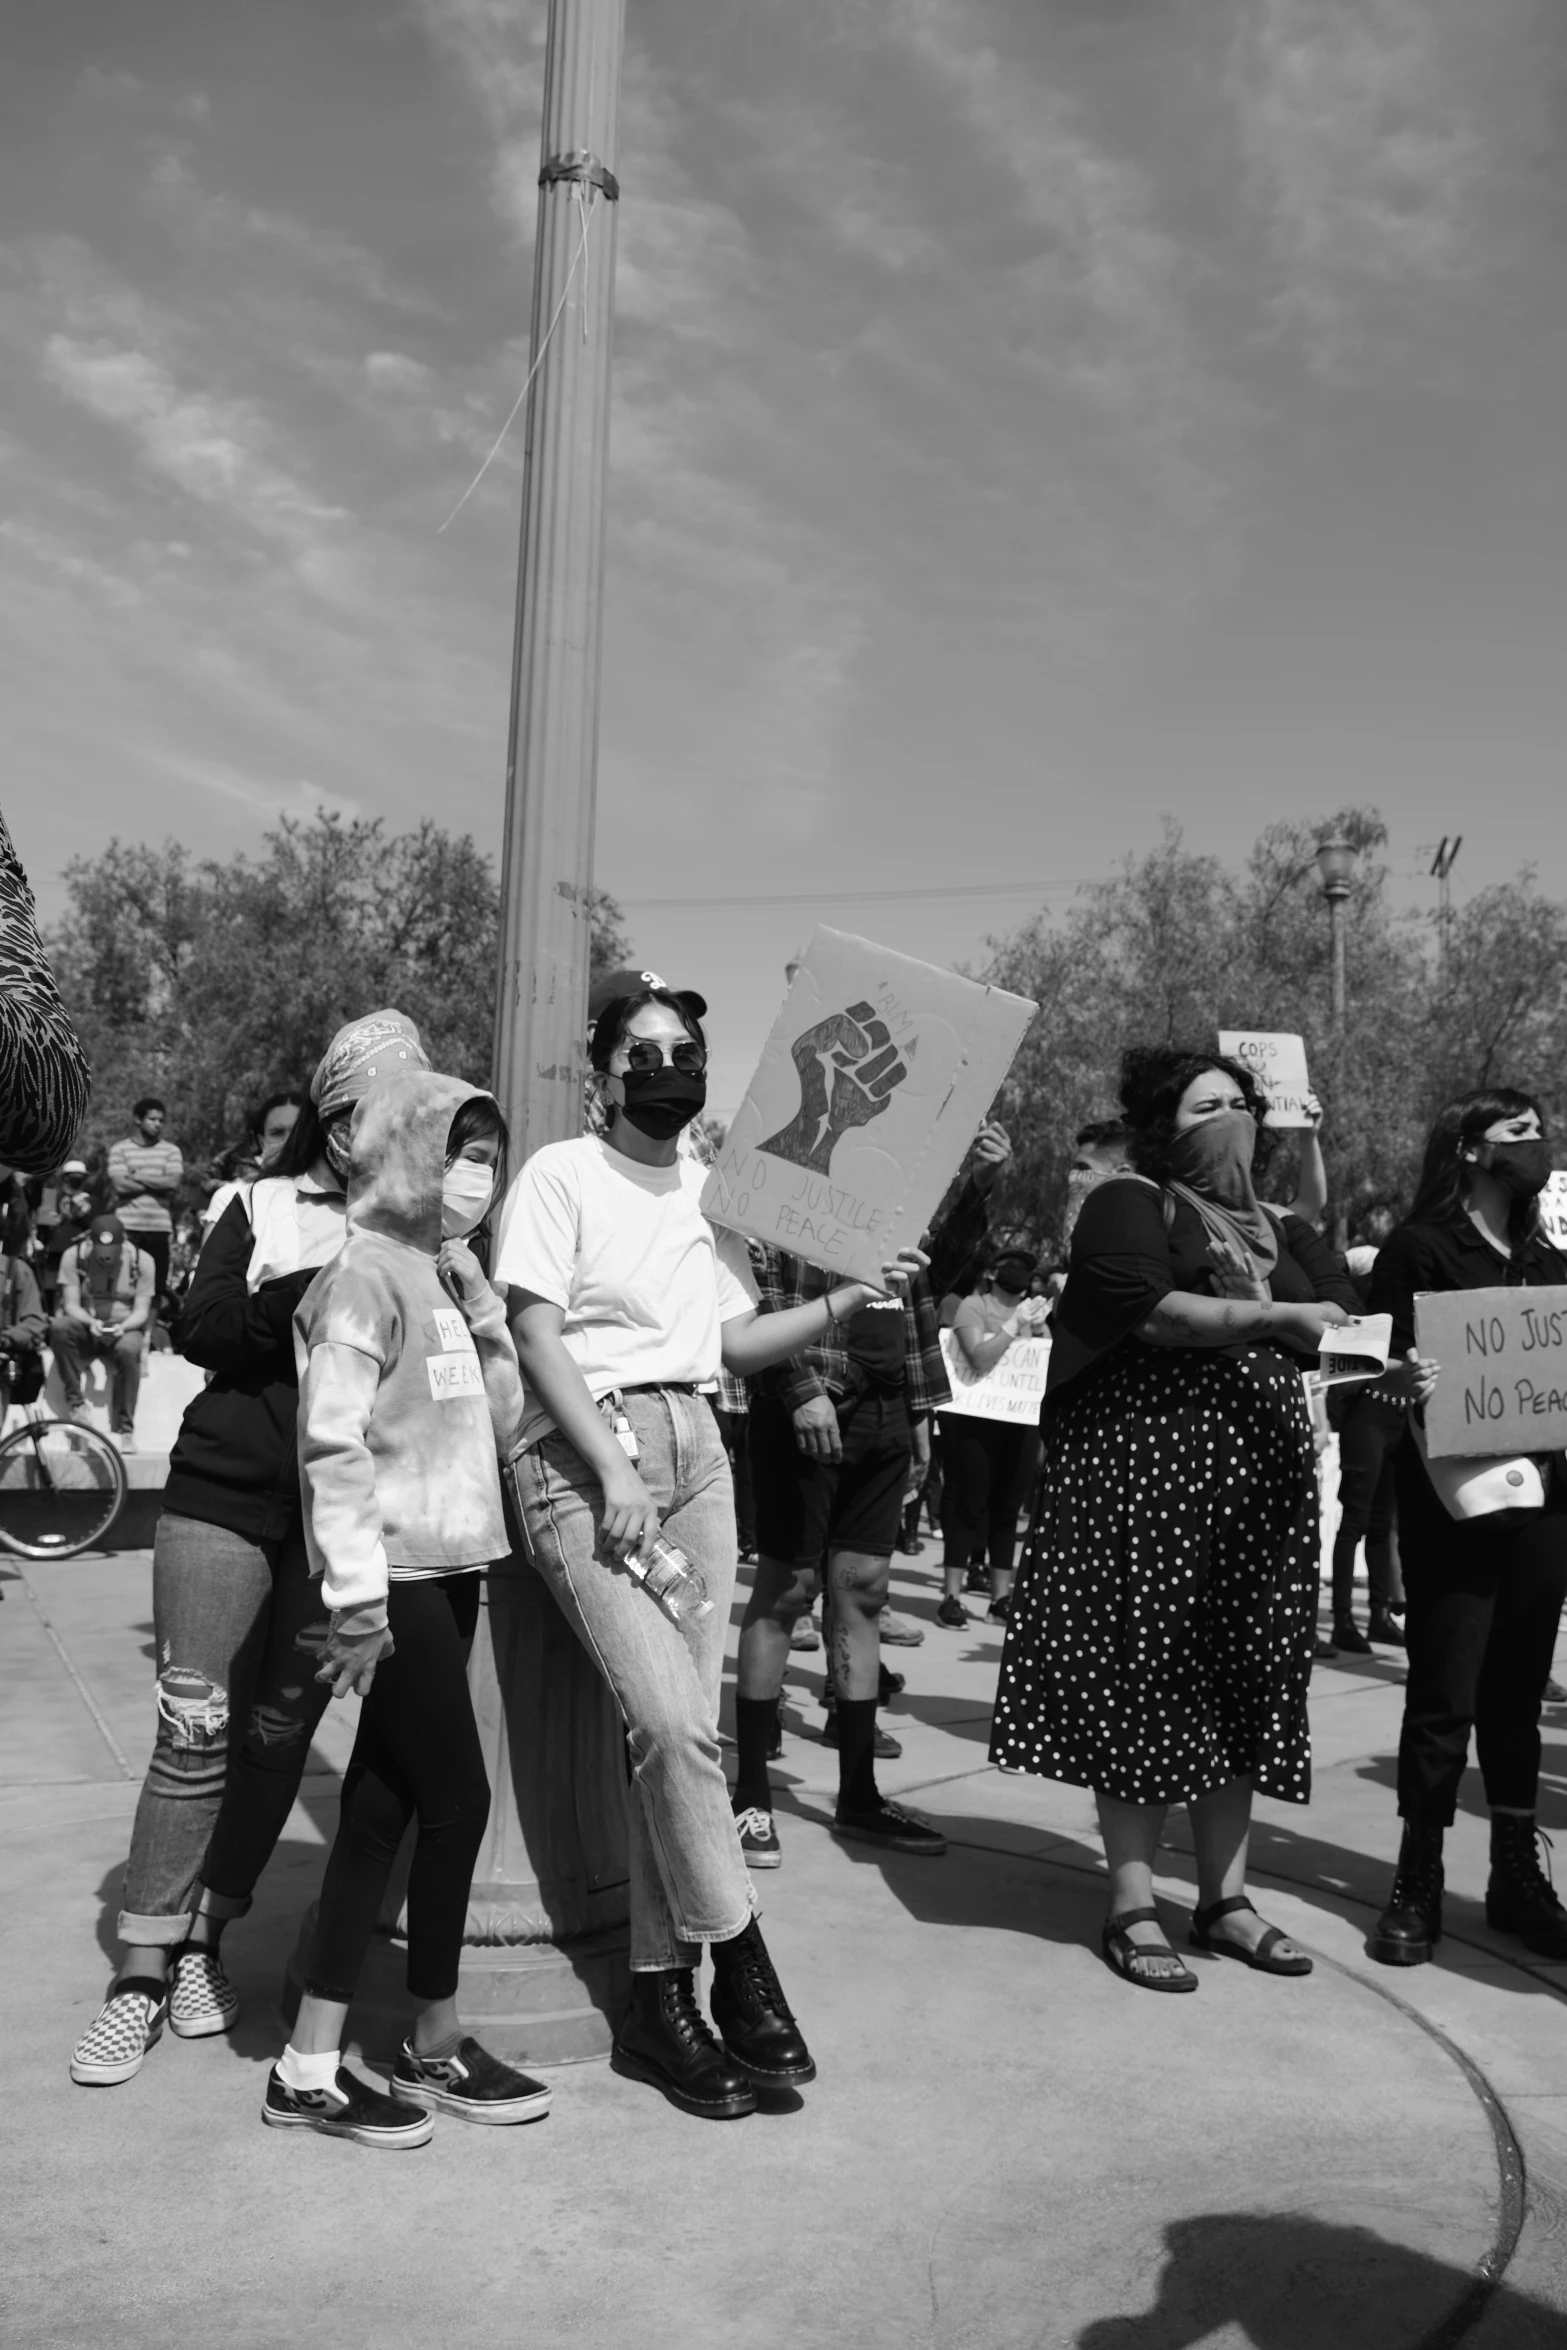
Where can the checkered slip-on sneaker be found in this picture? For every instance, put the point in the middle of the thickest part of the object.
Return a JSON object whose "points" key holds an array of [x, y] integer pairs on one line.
{"points": [[119, 2036], [202, 2000]]}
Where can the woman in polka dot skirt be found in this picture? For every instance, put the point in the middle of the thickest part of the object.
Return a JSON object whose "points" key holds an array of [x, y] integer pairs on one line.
{"points": [[1162, 1628]]}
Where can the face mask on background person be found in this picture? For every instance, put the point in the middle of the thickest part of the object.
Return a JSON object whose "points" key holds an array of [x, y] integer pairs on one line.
{"points": [[465, 1195], [1522, 1168], [658, 1102]]}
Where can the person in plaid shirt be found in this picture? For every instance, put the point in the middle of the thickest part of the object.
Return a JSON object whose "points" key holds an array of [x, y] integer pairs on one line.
{"points": [[831, 1443]]}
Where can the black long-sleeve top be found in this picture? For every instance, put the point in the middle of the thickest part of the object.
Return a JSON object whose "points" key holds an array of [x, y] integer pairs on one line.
{"points": [[235, 1462], [1453, 1254], [1124, 1262]]}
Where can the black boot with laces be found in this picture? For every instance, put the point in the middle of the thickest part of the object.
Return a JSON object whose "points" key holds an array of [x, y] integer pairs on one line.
{"points": [[665, 2041], [1519, 1898], [1411, 1925], [751, 2012]]}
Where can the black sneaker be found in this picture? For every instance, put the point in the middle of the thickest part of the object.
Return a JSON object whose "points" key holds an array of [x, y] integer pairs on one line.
{"points": [[1348, 1638], [473, 2084], [759, 1843], [349, 2109], [977, 1578], [954, 1615], [890, 1826], [999, 1610]]}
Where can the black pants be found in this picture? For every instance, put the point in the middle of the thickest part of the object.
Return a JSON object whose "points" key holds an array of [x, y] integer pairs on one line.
{"points": [[735, 1430], [1483, 1600], [1368, 1445], [984, 1463], [417, 1754]]}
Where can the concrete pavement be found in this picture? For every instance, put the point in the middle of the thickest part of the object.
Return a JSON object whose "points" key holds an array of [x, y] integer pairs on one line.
{"points": [[1006, 2146]]}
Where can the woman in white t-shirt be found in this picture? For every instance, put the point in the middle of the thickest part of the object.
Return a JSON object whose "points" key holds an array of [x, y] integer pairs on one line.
{"points": [[624, 1301]]}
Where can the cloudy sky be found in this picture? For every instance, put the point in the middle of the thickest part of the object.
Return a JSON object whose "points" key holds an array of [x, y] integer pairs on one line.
{"points": [[1032, 417]]}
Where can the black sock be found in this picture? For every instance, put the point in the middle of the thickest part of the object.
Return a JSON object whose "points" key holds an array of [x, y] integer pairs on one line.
{"points": [[756, 1718], [857, 1789]]}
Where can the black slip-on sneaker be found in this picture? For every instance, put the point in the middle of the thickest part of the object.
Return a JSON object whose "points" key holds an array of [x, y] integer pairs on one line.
{"points": [[473, 2084], [349, 2109]]}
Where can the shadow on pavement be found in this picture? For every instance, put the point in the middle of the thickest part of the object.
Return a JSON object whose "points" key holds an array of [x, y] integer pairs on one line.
{"points": [[1294, 2283]]}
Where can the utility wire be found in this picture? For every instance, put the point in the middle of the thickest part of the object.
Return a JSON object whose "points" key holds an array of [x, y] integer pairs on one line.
{"points": [[865, 897]]}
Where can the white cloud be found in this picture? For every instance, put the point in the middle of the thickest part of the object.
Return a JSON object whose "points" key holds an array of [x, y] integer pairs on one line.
{"points": [[1359, 138], [394, 371], [215, 450]]}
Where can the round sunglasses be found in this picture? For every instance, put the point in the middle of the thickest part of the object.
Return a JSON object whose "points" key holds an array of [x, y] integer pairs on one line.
{"points": [[644, 1056]]}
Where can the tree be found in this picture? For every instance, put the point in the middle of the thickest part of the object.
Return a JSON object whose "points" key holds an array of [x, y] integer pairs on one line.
{"points": [[1177, 946], [212, 983]]}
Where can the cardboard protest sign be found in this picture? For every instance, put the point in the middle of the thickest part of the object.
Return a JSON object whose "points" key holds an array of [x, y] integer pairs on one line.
{"points": [[1011, 1390], [1356, 1350], [1278, 1063], [871, 1087], [1503, 1354], [1553, 1210]]}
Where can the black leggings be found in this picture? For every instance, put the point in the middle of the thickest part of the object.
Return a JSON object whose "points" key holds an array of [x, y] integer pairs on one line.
{"points": [[417, 1752], [1368, 1445], [1483, 1602], [979, 1502]]}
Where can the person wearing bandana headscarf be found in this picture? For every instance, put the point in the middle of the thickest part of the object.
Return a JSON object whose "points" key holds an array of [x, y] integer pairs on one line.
{"points": [[1160, 1640], [238, 1622]]}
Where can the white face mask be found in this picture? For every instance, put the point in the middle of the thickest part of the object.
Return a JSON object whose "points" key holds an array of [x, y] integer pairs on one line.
{"points": [[465, 1194]]}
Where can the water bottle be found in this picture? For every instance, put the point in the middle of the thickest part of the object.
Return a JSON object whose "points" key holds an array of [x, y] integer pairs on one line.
{"points": [[670, 1578]]}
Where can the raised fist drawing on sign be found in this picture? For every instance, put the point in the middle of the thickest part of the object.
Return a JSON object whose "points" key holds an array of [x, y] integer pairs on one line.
{"points": [[848, 1067]]}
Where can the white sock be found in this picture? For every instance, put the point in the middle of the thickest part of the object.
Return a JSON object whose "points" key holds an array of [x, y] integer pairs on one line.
{"points": [[308, 2072]]}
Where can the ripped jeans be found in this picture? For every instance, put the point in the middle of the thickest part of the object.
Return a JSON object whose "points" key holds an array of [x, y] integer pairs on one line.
{"points": [[239, 1628]]}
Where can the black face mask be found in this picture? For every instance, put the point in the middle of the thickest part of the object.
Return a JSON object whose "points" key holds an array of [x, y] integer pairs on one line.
{"points": [[660, 1101], [1522, 1168]]}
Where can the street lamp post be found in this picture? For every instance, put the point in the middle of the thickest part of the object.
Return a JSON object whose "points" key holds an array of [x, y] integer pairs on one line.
{"points": [[545, 1958], [1336, 862]]}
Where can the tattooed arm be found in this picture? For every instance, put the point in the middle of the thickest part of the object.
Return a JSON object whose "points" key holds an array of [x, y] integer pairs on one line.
{"points": [[1180, 1319]]}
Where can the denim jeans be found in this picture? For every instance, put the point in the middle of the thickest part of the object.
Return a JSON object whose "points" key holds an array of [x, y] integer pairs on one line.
{"points": [[689, 1882], [239, 1628]]}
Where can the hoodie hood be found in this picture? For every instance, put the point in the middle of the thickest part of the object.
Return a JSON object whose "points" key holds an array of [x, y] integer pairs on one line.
{"points": [[400, 1131]]}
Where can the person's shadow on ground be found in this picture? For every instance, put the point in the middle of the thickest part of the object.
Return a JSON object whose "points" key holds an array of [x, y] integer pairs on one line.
{"points": [[1289, 2282]]}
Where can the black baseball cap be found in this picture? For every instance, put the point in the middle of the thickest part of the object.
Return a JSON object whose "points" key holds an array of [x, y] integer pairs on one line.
{"points": [[615, 984]]}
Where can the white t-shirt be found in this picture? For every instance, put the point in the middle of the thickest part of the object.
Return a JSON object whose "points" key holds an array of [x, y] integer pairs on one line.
{"points": [[644, 1280]]}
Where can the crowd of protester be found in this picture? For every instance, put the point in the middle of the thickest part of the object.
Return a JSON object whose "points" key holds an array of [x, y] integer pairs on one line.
{"points": [[413, 1350]]}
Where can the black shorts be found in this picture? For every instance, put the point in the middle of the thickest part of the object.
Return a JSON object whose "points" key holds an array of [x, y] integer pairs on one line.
{"points": [[804, 1508]]}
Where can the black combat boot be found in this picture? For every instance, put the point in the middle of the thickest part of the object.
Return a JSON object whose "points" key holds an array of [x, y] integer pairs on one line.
{"points": [[1411, 1925], [665, 2041], [1519, 1898], [749, 2008]]}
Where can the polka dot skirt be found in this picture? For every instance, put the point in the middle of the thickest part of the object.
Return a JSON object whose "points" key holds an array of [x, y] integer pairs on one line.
{"points": [[1164, 1617]]}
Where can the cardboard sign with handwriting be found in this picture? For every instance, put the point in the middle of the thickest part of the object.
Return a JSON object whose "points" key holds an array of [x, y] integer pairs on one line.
{"points": [[1011, 1390], [1503, 1354], [875, 1079], [1278, 1063], [1553, 1210]]}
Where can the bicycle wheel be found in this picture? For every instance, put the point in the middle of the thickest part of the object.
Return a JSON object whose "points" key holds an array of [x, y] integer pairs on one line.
{"points": [[61, 1488]]}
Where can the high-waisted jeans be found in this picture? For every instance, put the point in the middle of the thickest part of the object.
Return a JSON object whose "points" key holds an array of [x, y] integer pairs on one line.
{"points": [[239, 1628], [689, 1883]]}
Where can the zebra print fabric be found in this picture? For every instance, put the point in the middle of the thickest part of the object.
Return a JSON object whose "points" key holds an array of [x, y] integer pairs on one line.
{"points": [[45, 1081]]}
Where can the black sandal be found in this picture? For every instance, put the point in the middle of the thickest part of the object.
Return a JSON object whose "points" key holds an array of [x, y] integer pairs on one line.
{"points": [[1261, 1960], [1121, 1953]]}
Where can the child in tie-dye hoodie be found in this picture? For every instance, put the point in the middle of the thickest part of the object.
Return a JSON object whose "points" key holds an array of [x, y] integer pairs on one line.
{"points": [[408, 1388]]}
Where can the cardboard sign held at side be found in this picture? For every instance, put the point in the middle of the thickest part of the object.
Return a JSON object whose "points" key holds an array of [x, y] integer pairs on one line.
{"points": [[871, 1087], [1278, 1063], [1012, 1390], [1503, 1354]]}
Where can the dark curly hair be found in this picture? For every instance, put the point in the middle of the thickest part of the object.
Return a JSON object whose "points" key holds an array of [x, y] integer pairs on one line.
{"points": [[1153, 1079]]}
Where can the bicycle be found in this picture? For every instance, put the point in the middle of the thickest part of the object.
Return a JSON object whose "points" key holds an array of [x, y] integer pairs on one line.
{"points": [[62, 1484]]}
